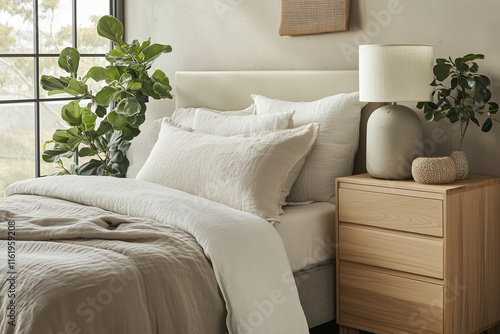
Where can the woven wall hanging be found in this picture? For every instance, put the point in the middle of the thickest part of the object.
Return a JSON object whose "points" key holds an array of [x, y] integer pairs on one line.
{"points": [[305, 17]]}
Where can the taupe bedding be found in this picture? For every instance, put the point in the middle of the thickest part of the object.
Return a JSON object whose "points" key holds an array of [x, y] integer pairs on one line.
{"points": [[104, 255], [101, 272]]}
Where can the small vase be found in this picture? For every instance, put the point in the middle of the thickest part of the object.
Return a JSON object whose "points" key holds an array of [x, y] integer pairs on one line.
{"points": [[461, 164]]}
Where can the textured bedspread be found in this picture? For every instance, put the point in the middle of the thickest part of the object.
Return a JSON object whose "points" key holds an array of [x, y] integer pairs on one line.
{"points": [[105, 255]]}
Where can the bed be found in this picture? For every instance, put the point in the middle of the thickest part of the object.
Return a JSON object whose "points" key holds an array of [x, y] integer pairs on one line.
{"points": [[312, 258], [85, 251]]}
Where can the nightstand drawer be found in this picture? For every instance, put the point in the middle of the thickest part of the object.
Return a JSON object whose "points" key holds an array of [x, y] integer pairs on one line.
{"points": [[389, 304], [413, 254], [398, 212]]}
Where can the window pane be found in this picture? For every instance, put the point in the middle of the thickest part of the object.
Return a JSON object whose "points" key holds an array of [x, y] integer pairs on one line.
{"points": [[17, 156], [16, 26], [50, 121], [55, 21], [89, 12], [16, 78]]}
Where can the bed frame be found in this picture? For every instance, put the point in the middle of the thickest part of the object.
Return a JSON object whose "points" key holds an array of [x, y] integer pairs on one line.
{"points": [[230, 90]]}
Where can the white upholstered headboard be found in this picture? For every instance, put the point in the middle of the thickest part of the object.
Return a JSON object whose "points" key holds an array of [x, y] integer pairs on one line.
{"points": [[230, 90]]}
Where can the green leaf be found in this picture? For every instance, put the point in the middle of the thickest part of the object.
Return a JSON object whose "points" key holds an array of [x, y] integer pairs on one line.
{"points": [[135, 86], [420, 105], [85, 152], [93, 167], [441, 60], [107, 95], [126, 79], [432, 106], [429, 116], [101, 111], [453, 83], [72, 114], [50, 83], [153, 51], [487, 125], [69, 60], [132, 107], [483, 80], [145, 44], [442, 71], [104, 128], [63, 136], [474, 120], [471, 57], [474, 68], [118, 121], [493, 108], [75, 88], [100, 73], [56, 154], [116, 155], [111, 28], [89, 120]]}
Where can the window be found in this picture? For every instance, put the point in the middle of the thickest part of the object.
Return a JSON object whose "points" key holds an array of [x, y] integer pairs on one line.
{"points": [[32, 34]]}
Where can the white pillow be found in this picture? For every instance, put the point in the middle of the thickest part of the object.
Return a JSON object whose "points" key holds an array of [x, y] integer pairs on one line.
{"points": [[229, 125], [185, 116], [333, 154], [243, 172]]}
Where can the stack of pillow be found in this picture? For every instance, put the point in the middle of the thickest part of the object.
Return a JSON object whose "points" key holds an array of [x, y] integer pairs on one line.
{"points": [[261, 158]]}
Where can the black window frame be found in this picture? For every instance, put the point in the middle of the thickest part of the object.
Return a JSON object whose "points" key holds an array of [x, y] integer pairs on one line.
{"points": [[116, 8]]}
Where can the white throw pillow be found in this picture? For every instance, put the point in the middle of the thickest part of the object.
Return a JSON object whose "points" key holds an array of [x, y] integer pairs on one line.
{"points": [[243, 172], [333, 154], [185, 116], [229, 125]]}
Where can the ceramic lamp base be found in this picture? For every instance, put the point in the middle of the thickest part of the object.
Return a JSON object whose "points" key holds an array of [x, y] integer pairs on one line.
{"points": [[394, 138]]}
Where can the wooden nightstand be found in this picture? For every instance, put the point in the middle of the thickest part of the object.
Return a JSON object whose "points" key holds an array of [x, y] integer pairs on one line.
{"points": [[416, 258]]}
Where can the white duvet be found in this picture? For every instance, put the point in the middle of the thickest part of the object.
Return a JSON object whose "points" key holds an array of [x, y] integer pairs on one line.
{"points": [[246, 253]]}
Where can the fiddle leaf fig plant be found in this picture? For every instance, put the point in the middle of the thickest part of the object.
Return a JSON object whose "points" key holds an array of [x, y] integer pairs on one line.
{"points": [[461, 94], [103, 127]]}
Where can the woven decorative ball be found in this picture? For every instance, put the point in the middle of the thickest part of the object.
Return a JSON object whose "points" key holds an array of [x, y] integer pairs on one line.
{"points": [[433, 170], [461, 164]]}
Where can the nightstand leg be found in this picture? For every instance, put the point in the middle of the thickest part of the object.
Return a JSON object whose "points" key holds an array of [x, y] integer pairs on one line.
{"points": [[347, 330]]}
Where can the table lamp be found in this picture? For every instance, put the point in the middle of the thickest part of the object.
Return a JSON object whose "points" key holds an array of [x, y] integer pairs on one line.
{"points": [[391, 74]]}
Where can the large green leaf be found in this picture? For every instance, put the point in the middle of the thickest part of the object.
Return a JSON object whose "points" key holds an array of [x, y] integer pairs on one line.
{"points": [[487, 125], [50, 83], [75, 87], [85, 152], [69, 60], [442, 71], [107, 95], [72, 113], [118, 121], [100, 73], [93, 167], [471, 57], [132, 107], [56, 154], [111, 28], [153, 51]]}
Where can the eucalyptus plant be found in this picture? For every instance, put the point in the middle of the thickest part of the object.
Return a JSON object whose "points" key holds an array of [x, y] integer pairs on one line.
{"points": [[103, 127], [461, 94]]}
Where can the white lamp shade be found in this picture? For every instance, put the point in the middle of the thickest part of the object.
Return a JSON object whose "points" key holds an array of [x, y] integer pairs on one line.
{"points": [[395, 73]]}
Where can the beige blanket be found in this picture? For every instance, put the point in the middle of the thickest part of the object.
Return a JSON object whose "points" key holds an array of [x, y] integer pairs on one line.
{"points": [[106, 255], [101, 272]]}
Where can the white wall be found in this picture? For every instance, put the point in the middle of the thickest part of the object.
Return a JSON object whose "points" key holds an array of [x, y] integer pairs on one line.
{"points": [[243, 35]]}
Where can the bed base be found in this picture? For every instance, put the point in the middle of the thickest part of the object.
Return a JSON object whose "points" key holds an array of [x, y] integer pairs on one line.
{"points": [[316, 288]]}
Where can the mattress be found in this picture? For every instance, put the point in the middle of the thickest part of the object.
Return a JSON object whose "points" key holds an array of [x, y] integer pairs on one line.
{"points": [[307, 232]]}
